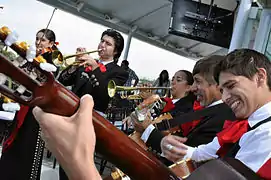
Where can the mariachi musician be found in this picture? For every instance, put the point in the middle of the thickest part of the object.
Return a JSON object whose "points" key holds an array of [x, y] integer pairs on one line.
{"points": [[92, 76], [244, 78], [23, 149], [182, 100], [205, 127]]}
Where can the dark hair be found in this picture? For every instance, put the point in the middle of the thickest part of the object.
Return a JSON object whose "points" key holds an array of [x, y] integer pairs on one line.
{"points": [[119, 42], [206, 67], [125, 62], [50, 35], [189, 76], [244, 62], [161, 79]]}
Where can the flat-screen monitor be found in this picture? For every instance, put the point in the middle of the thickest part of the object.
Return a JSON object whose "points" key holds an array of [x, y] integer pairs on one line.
{"points": [[197, 21]]}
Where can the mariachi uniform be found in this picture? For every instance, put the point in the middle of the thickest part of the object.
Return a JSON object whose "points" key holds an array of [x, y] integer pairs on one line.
{"points": [[22, 151], [201, 132], [85, 81], [252, 140]]}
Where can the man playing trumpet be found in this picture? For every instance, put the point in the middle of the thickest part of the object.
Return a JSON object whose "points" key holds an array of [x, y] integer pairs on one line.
{"points": [[92, 76]]}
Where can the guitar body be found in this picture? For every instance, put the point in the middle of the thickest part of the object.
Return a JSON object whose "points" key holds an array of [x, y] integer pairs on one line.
{"points": [[136, 137], [161, 118], [183, 168], [223, 169], [217, 169]]}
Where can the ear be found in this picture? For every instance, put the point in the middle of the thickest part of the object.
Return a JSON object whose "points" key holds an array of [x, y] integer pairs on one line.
{"points": [[188, 88], [261, 76], [51, 43]]}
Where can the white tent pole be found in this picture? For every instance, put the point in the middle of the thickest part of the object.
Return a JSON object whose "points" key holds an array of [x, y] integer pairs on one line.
{"points": [[128, 43], [240, 25]]}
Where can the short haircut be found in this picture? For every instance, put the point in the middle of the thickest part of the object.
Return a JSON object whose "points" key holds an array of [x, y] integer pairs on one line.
{"points": [[119, 42], [244, 62], [206, 66]]}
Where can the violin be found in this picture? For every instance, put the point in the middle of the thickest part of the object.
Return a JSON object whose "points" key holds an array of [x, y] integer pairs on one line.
{"points": [[113, 144], [53, 56]]}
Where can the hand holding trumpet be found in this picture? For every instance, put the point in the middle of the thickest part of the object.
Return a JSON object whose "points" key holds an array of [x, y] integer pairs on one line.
{"points": [[85, 59]]}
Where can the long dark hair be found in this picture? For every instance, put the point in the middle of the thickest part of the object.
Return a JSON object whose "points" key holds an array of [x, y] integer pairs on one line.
{"points": [[189, 77], [50, 35], [163, 77]]}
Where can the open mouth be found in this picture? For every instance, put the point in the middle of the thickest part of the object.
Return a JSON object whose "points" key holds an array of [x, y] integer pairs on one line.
{"points": [[199, 97], [235, 105]]}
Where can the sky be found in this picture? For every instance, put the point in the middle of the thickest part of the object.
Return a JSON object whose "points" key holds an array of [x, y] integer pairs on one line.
{"points": [[29, 16]]}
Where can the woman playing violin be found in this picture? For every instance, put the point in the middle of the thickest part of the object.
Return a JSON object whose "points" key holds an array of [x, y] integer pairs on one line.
{"points": [[23, 149]]}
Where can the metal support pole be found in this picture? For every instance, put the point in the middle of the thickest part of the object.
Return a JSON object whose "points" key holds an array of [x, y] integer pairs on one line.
{"points": [[240, 25], [128, 43]]}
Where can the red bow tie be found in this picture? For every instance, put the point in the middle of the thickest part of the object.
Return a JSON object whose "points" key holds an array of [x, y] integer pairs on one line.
{"points": [[101, 66]]}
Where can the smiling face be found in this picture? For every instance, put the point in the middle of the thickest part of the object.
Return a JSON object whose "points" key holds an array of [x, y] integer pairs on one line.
{"points": [[179, 85], [107, 46], [205, 92], [240, 93], [42, 42]]}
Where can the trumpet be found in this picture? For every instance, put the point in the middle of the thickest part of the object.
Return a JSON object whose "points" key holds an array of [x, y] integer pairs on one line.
{"points": [[59, 59], [112, 88]]}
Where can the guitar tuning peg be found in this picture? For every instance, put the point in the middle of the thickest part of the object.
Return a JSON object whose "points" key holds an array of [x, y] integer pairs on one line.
{"points": [[48, 67], [31, 53], [11, 38]]}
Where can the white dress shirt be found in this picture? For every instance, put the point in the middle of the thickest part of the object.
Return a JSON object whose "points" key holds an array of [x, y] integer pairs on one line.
{"points": [[105, 62], [255, 145]]}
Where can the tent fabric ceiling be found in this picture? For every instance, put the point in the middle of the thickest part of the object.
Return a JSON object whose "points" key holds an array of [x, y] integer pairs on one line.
{"points": [[150, 18]]}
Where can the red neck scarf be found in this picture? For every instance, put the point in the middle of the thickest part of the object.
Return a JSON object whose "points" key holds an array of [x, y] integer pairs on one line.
{"points": [[231, 133], [101, 66], [19, 118]]}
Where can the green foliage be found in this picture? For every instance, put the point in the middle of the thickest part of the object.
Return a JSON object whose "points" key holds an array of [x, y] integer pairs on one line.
{"points": [[145, 80], [9, 54]]}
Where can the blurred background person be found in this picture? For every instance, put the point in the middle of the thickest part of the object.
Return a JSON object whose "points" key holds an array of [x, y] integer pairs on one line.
{"points": [[132, 79], [162, 81]]}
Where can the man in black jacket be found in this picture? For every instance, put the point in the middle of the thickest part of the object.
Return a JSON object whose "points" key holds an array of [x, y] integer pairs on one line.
{"points": [[208, 94], [92, 76]]}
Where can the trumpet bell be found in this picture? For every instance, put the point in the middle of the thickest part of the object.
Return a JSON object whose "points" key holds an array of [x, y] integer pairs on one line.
{"points": [[111, 88]]}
